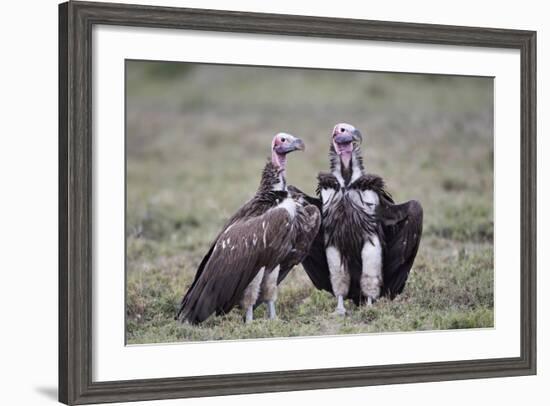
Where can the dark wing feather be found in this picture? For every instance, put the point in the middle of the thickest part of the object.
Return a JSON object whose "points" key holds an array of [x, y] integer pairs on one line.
{"points": [[315, 263], [239, 252], [402, 225], [375, 183], [239, 215], [197, 276], [304, 231], [401, 232], [258, 205]]}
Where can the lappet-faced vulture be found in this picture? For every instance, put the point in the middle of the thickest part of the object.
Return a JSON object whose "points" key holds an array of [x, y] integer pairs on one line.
{"points": [[367, 244], [267, 236]]}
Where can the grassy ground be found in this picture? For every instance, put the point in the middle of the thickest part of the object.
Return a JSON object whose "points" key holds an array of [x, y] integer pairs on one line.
{"points": [[198, 137]]}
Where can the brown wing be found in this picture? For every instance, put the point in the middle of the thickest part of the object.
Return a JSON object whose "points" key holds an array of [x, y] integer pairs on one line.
{"points": [[402, 226], [254, 207], [315, 263], [240, 251], [304, 231]]}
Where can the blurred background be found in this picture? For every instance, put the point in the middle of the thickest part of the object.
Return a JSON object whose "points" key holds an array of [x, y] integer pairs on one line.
{"points": [[198, 137]]}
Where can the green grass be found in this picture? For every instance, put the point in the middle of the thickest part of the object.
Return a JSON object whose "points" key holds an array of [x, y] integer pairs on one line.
{"points": [[198, 137]]}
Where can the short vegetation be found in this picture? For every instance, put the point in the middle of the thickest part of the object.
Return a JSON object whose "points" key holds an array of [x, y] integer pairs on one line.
{"points": [[198, 137]]}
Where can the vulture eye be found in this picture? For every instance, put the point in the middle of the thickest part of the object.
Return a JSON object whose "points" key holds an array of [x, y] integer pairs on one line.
{"points": [[283, 139], [342, 130]]}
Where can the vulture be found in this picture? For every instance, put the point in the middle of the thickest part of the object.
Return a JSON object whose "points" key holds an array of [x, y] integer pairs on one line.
{"points": [[256, 248], [366, 244]]}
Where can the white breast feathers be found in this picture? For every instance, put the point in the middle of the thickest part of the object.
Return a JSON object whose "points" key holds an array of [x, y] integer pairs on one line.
{"points": [[289, 205]]}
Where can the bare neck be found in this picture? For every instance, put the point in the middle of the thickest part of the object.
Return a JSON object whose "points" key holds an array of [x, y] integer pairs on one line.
{"points": [[346, 169]]}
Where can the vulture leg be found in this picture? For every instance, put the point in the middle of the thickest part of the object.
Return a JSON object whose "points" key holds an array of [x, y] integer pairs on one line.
{"points": [[371, 278], [249, 315], [339, 278], [269, 291], [250, 296], [272, 314]]}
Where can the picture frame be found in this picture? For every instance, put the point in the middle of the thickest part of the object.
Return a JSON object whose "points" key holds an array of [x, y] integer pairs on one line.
{"points": [[76, 256]]}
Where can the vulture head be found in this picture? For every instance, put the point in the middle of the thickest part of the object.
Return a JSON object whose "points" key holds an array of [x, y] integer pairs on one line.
{"points": [[283, 144], [345, 139]]}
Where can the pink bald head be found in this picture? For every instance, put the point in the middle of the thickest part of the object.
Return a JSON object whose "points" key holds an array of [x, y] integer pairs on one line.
{"points": [[345, 138], [282, 145]]}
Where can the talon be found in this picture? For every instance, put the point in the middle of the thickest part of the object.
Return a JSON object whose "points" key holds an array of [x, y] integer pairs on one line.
{"points": [[340, 311]]}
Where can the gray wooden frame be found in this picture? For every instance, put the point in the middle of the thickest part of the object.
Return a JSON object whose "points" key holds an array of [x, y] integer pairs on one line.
{"points": [[76, 20]]}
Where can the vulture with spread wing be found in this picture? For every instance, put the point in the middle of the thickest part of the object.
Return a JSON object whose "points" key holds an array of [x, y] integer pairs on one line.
{"points": [[366, 244], [257, 247]]}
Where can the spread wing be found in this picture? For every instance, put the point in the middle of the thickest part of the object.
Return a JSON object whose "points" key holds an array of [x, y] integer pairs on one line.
{"points": [[402, 231], [239, 252], [315, 263], [402, 225]]}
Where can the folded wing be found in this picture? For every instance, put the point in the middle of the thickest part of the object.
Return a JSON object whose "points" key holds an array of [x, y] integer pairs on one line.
{"points": [[315, 262], [243, 248], [305, 231]]}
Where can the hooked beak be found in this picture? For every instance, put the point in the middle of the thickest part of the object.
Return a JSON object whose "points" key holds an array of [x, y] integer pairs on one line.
{"points": [[343, 138], [357, 136], [347, 137], [296, 144]]}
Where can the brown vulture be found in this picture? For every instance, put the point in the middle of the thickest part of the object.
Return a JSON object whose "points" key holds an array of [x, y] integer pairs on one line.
{"points": [[367, 244], [256, 248]]}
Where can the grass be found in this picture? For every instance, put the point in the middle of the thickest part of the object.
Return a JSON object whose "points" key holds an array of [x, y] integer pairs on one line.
{"points": [[198, 137]]}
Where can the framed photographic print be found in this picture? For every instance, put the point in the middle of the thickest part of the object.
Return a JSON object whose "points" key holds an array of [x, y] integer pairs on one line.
{"points": [[257, 202]]}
